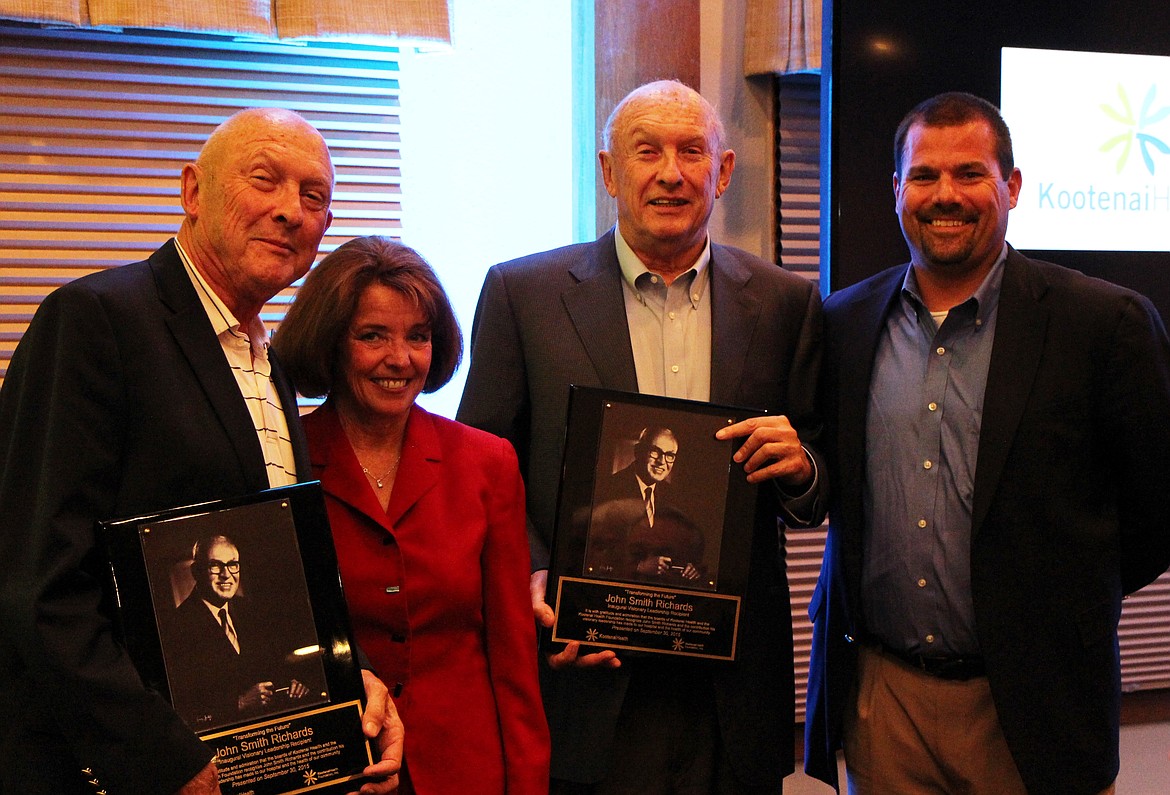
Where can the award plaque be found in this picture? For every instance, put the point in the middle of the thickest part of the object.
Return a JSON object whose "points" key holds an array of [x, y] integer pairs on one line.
{"points": [[234, 612], [654, 527]]}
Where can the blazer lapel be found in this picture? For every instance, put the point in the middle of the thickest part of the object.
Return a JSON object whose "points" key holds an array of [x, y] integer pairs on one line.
{"points": [[338, 469], [418, 470], [734, 313], [341, 474], [193, 333], [597, 309], [1020, 328]]}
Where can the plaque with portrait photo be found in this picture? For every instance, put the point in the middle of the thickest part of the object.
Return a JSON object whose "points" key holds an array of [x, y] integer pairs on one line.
{"points": [[654, 527], [233, 611]]}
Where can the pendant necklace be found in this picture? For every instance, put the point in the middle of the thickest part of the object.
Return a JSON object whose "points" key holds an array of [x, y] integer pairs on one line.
{"points": [[376, 478], [379, 480]]}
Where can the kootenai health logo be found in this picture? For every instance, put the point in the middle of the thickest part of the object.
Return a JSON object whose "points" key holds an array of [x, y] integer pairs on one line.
{"points": [[1135, 129]]}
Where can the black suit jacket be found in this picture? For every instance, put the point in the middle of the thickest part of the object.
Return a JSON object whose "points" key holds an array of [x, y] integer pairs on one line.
{"points": [[119, 401], [1071, 511], [206, 674], [623, 485], [558, 318]]}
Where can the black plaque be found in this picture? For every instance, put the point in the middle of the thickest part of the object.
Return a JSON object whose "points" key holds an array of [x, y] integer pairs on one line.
{"points": [[272, 685], [663, 573]]}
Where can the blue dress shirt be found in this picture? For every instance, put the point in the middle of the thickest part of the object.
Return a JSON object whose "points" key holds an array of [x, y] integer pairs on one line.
{"points": [[922, 441]]}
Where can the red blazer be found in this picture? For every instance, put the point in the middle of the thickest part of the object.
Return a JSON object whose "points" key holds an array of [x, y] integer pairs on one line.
{"points": [[437, 588]]}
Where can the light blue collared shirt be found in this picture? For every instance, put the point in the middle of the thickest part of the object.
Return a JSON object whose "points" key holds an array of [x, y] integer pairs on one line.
{"points": [[670, 325]]}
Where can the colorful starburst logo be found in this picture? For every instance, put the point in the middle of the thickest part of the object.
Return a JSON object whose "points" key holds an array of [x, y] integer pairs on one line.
{"points": [[1136, 127]]}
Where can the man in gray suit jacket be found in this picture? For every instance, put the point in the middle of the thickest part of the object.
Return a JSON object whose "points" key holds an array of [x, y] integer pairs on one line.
{"points": [[654, 306], [998, 434], [123, 398]]}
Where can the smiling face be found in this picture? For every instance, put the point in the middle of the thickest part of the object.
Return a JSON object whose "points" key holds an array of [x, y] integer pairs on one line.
{"points": [[665, 167], [257, 206], [385, 358], [656, 457], [218, 582], [952, 201]]}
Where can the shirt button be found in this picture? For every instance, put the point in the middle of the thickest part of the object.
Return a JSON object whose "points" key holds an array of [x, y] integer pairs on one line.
{"points": [[930, 638], [921, 583], [670, 315], [922, 523], [932, 406], [695, 298], [674, 368], [654, 279], [940, 350], [927, 464]]}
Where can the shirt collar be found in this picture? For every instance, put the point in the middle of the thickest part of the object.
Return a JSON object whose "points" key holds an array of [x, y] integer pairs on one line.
{"points": [[983, 300], [222, 319], [632, 267]]}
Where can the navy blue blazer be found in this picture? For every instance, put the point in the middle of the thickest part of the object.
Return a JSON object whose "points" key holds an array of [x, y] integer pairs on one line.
{"points": [[558, 318], [1071, 511], [119, 401]]}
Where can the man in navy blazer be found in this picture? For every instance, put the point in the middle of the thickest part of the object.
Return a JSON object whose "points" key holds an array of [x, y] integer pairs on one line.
{"points": [[998, 432], [120, 400], [605, 314]]}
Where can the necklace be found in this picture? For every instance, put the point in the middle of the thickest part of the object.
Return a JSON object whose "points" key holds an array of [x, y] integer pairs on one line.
{"points": [[378, 480]]}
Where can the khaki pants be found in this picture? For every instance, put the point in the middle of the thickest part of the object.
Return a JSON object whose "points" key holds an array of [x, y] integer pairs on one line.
{"points": [[909, 733]]}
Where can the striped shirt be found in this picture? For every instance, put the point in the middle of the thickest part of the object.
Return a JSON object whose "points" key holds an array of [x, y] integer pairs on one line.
{"points": [[246, 351]]}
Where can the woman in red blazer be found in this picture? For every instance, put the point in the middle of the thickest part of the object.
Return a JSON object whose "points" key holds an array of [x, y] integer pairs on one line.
{"points": [[427, 517]]}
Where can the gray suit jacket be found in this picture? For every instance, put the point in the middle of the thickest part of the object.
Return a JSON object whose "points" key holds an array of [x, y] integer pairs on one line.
{"points": [[1071, 511], [558, 318], [119, 401]]}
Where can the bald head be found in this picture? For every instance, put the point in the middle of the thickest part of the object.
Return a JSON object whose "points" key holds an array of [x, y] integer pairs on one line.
{"points": [[662, 93], [257, 123], [257, 205]]}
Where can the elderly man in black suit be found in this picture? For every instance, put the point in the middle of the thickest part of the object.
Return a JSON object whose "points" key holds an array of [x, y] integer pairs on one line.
{"points": [[998, 431], [655, 306], [137, 389]]}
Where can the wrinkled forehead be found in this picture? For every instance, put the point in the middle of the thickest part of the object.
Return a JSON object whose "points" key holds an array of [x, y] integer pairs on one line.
{"points": [[664, 114], [285, 139]]}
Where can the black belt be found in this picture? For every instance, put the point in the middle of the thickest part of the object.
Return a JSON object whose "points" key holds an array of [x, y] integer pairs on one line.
{"points": [[958, 668]]}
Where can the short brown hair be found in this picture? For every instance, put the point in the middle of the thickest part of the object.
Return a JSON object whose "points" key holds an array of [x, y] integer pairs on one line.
{"points": [[953, 109], [310, 335]]}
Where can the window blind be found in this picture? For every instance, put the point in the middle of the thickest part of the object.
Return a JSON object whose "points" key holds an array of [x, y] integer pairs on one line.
{"points": [[95, 127], [798, 225]]}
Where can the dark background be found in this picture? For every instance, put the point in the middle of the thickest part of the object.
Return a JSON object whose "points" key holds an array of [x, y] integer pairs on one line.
{"points": [[881, 58]]}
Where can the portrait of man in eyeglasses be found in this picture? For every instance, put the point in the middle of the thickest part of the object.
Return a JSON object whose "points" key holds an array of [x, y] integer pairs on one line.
{"points": [[637, 532], [222, 664], [647, 477]]}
